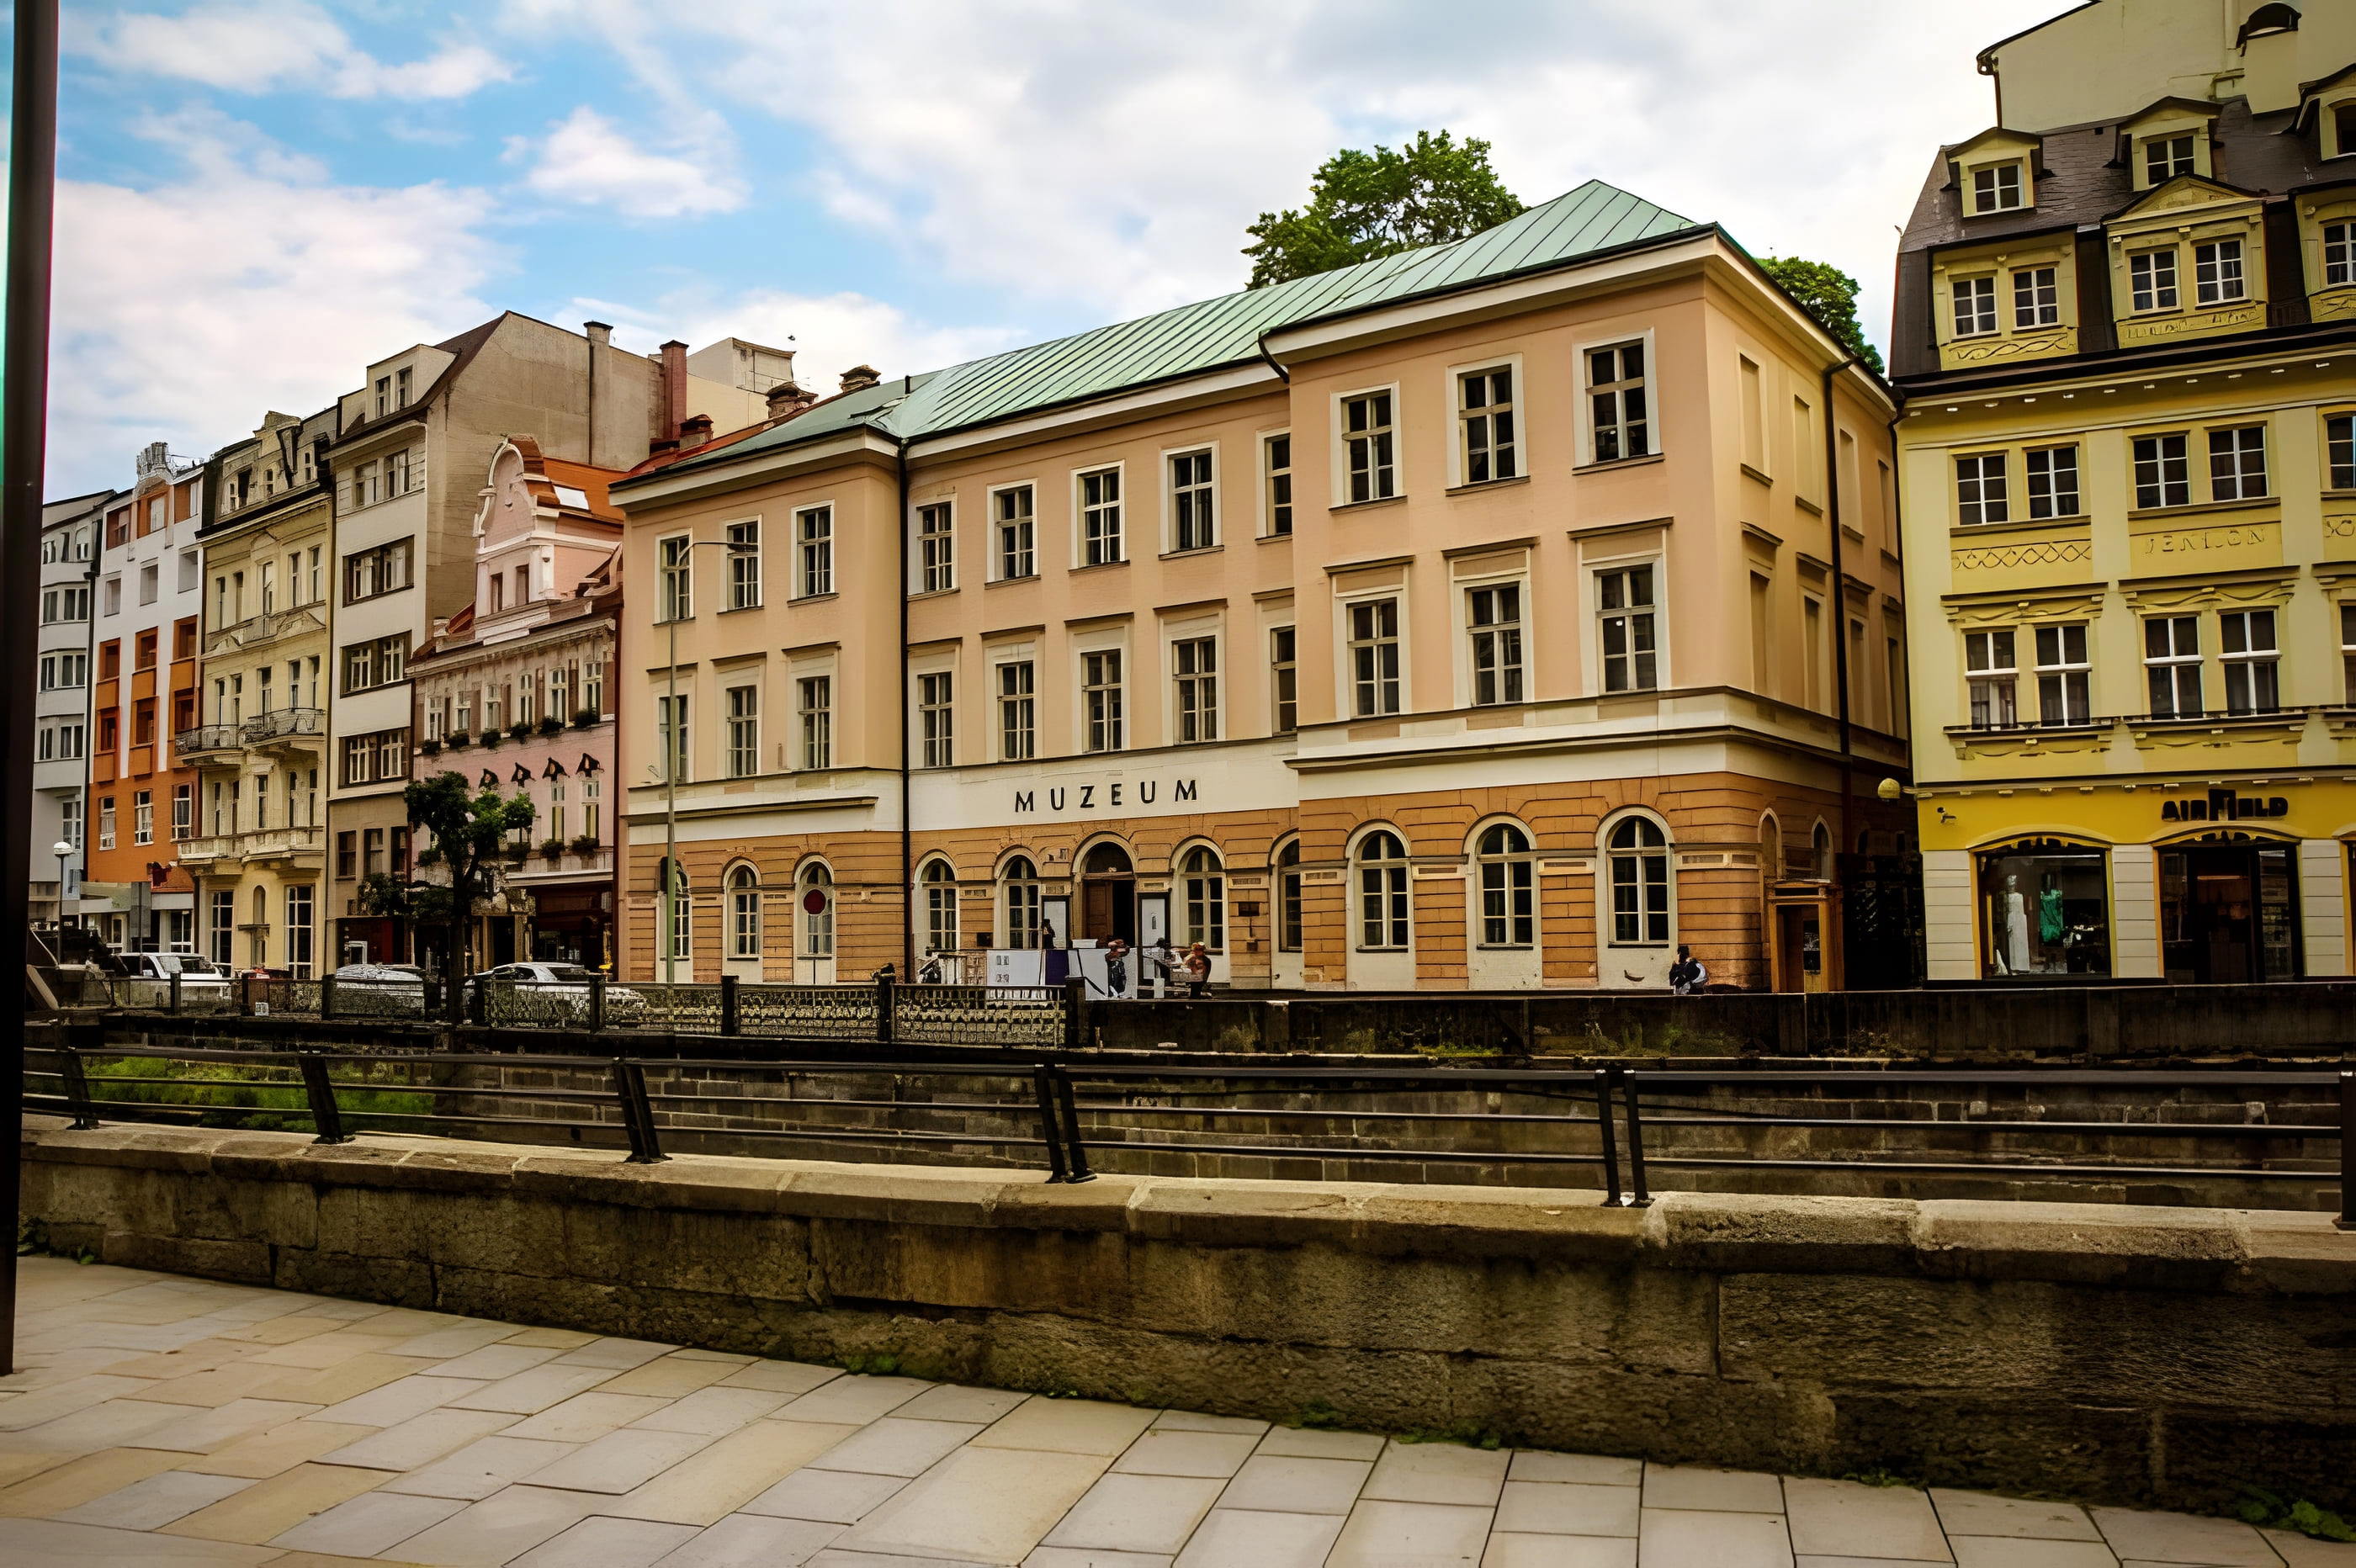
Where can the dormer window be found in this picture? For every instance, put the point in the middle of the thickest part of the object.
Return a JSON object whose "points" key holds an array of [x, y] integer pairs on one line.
{"points": [[2341, 119], [1974, 306], [2151, 277], [2164, 157], [2217, 277], [2339, 254], [1995, 188]]}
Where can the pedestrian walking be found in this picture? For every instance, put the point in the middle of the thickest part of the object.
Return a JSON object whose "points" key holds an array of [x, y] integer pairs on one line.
{"points": [[1116, 967]]}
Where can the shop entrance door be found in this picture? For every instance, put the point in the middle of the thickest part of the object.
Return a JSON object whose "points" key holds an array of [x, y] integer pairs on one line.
{"points": [[1108, 895], [2229, 914]]}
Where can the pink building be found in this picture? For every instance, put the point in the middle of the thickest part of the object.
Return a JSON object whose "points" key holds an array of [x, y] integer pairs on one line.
{"points": [[517, 689]]}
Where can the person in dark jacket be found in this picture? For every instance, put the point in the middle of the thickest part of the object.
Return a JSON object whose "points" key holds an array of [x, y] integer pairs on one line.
{"points": [[1686, 976]]}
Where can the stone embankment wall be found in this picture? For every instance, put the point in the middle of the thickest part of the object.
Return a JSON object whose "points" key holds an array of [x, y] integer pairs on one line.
{"points": [[2130, 1355]]}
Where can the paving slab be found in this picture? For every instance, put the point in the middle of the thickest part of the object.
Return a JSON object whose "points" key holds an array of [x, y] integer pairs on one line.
{"points": [[2022, 1551], [785, 1377], [1981, 1513], [503, 1526], [208, 1431], [368, 1524], [851, 1399], [1276, 1483], [718, 1480], [389, 1404], [270, 1507], [835, 1496], [75, 1481], [1437, 1473], [1137, 1513], [670, 1377], [950, 1402], [991, 1505], [1285, 1442], [752, 1541], [1712, 1538], [1242, 1537], [1567, 1508], [608, 1544], [481, 1468], [1559, 1552], [1687, 1488], [158, 1500], [587, 1415], [1386, 1533], [1846, 1519], [714, 1412], [1166, 1451], [52, 1544], [529, 1393], [2183, 1538], [1068, 1426], [422, 1439], [620, 1460]]}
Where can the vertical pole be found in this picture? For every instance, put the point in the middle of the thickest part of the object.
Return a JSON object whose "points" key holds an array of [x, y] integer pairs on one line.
{"points": [[326, 1116], [1051, 1124], [1640, 1196], [77, 1087], [730, 1019], [638, 1113], [671, 732], [173, 1005], [1074, 1149], [883, 999], [479, 999], [1076, 1012], [596, 1003], [2347, 1220], [327, 995], [1604, 1131]]}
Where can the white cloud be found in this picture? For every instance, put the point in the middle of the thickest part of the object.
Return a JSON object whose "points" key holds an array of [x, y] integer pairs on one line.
{"points": [[586, 160], [263, 45], [186, 311]]}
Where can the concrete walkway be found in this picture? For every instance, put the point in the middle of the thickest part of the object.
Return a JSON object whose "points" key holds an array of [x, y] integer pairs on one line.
{"points": [[169, 1421]]}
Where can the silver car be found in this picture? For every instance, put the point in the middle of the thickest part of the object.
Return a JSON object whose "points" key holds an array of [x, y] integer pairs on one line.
{"points": [[548, 993]]}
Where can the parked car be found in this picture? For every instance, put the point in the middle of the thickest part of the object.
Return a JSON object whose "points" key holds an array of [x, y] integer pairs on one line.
{"points": [[196, 972], [386, 990], [539, 993]]}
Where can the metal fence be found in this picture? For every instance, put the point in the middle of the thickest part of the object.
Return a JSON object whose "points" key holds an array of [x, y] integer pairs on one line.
{"points": [[1599, 1119]]}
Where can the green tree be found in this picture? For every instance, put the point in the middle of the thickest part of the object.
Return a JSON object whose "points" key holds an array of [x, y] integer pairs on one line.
{"points": [[469, 828], [1829, 294], [1366, 205]]}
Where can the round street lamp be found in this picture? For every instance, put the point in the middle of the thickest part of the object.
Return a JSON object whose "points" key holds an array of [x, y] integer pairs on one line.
{"points": [[64, 852]]}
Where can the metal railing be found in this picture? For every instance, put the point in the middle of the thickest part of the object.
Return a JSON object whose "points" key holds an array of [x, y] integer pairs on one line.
{"points": [[279, 722], [1604, 1119]]}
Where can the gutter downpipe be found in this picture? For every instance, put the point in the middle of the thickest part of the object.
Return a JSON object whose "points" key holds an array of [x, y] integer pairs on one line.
{"points": [[1839, 594], [907, 829]]}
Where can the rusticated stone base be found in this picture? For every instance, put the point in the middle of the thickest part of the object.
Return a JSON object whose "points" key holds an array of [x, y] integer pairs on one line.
{"points": [[2115, 1354]]}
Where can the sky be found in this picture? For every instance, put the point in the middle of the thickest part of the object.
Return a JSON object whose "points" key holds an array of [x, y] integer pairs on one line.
{"points": [[258, 197]]}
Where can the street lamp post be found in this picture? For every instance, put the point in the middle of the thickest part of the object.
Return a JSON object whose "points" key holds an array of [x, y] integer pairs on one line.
{"points": [[64, 852], [674, 740]]}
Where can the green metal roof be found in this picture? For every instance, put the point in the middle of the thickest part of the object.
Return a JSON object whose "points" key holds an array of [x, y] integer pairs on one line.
{"points": [[1215, 332]]}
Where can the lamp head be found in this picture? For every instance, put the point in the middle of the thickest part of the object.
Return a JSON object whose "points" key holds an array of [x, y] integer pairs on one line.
{"points": [[61, 848], [1890, 789]]}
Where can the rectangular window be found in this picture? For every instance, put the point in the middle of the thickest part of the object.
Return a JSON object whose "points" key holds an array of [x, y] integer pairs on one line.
{"points": [[1100, 518], [184, 810], [347, 854], [2164, 157], [814, 696], [381, 661], [1484, 425], [1374, 658], [1974, 306], [1367, 444], [1100, 700], [1276, 459], [2339, 254], [1980, 489], [2036, 298], [396, 474], [1194, 506], [2217, 272], [148, 586], [937, 719], [1991, 670], [2163, 475], [1282, 646], [671, 736], [2348, 647], [2171, 658], [2237, 464], [2151, 279], [1624, 601], [1619, 400], [65, 671], [674, 582], [1015, 534], [375, 758], [743, 565], [222, 929], [142, 818], [593, 807], [366, 484], [936, 549], [814, 547], [298, 931], [1493, 618], [1995, 188], [2052, 481], [1194, 666], [61, 605], [106, 822], [743, 731], [1018, 717], [383, 569], [2340, 449], [2246, 647], [2064, 675]]}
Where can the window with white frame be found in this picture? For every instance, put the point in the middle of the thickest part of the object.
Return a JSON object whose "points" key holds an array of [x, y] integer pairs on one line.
{"points": [[744, 565], [1369, 449], [743, 731], [1193, 504], [1100, 700], [65, 670], [674, 587], [2036, 298], [1995, 187], [814, 551], [1625, 611], [1018, 712], [1204, 884], [682, 915], [1992, 673], [2347, 649], [106, 822], [1484, 425], [1619, 403], [1276, 467], [2251, 659], [1383, 919], [222, 929], [1100, 541], [744, 912], [2237, 462], [592, 809], [2217, 277], [1015, 533], [2151, 279], [1019, 899], [936, 717], [1284, 669], [2064, 677], [814, 905], [814, 698], [671, 736], [1637, 858], [2171, 659], [2052, 475], [1194, 670], [1289, 901], [184, 806], [2339, 450], [1508, 887], [939, 881], [1982, 492], [1974, 301], [1373, 650], [2164, 157], [142, 817], [1493, 623], [2163, 471], [2339, 254], [935, 547]]}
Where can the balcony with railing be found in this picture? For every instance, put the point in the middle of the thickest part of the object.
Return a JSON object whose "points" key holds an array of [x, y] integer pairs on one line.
{"points": [[570, 863], [208, 740], [283, 725], [297, 846], [256, 629]]}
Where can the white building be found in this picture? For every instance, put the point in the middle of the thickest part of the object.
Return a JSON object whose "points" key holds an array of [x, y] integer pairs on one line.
{"points": [[61, 704]]}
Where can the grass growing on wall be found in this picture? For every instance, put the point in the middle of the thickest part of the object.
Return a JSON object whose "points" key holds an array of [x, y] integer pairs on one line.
{"points": [[234, 1098]]}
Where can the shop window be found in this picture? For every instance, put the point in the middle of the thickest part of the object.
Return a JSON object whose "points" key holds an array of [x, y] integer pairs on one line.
{"points": [[2228, 914], [2045, 911]]}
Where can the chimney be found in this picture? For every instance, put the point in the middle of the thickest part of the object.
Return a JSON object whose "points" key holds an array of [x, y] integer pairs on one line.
{"points": [[858, 377], [786, 398], [694, 431], [674, 387], [598, 332]]}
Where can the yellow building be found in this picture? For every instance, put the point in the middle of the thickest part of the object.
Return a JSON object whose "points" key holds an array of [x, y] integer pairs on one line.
{"points": [[259, 850], [2126, 335]]}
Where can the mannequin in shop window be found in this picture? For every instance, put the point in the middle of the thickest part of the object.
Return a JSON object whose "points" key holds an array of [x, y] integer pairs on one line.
{"points": [[2015, 956], [2051, 924]]}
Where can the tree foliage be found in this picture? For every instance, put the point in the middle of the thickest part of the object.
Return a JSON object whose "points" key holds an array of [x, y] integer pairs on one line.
{"points": [[1828, 293], [1366, 205], [469, 827]]}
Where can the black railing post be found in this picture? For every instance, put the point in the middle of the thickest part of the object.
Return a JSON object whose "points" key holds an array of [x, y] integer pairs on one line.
{"points": [[1076, 1012], [173, 1004], [885, 997], [596, 1019], [1074, 1151], [478, 1000], [69, 1068], [730, 1019], [1051, 1121], [1640, 1196], [2347, 1220], [326, 1116], [326, 997], [1604, 1131], [638, 1113]]}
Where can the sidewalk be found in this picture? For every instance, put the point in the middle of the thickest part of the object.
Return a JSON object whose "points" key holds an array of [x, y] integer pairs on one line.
{"points": [[170, 1420]]}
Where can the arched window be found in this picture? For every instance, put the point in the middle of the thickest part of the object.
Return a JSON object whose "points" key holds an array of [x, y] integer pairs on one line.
{"points": [[941, 906], [1206, 898], [744, 912], [681, 908], [1820, 845], [813, 903], [1020, 879], [1288, 896], [1508, 896], [1381, 891], [1639, 855]]}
